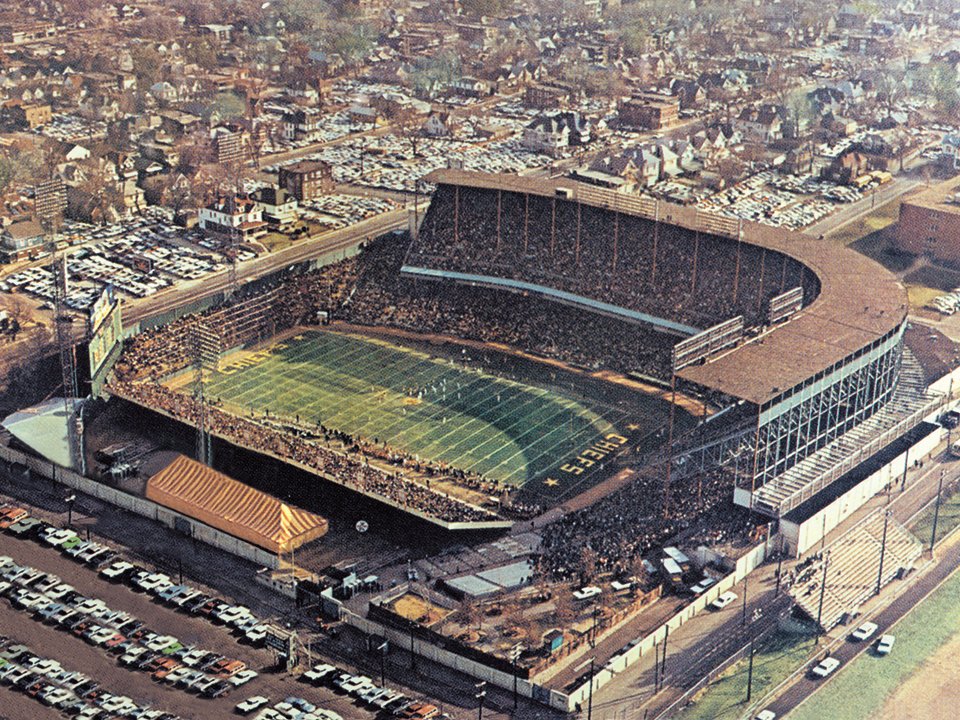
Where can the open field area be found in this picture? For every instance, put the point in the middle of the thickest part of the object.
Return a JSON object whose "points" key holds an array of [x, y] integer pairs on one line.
{"points": [[513, 429]]}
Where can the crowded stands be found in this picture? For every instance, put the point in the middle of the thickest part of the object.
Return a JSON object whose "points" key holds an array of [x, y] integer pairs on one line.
{"points": [[657, 268]]}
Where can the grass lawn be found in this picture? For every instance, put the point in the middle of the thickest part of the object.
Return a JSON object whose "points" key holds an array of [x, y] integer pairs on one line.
{"points": [[785, 651], [519, 430], [859, 691], [949, 518]]}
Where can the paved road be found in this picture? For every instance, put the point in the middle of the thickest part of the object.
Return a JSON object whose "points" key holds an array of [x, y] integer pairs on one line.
{"points": [[945, 565], [854, 211]]}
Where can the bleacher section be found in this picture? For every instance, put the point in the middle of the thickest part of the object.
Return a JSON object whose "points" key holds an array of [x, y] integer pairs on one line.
{"points": [[853, 563], [909, 405]]}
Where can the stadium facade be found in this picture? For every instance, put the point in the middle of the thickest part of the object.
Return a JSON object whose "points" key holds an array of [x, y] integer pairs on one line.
{"points": [[804, 393]]}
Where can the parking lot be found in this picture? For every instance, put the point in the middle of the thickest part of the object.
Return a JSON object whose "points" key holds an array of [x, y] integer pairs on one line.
{"points": [[75, 653], [140, 257]]}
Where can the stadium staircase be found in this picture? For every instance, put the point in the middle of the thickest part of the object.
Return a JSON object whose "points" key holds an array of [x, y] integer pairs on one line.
{"points": [[906, 409], [853, 565]]}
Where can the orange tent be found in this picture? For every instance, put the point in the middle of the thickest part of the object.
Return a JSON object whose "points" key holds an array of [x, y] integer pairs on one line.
{"points": [[197, 491]]}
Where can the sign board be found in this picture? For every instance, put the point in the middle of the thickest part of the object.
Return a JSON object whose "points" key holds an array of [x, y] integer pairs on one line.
{"points": [[703, 344], [106, 335], [784, 305], [282, 640]]}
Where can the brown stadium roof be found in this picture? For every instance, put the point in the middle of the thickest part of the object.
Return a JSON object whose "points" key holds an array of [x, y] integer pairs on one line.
{"points": [[195, 490], [859, 299]]}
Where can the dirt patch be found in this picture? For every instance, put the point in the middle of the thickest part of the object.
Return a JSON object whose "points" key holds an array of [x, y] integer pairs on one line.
{"points": [[932, 691], [416, 608]]}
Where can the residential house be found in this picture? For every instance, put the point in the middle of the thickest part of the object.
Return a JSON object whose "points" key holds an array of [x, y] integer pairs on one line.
{"points": [[279, 207], [235, 217], [762, 124], [439, 124], [551, 134], [21, 240], [302, 124], [950, 150]]}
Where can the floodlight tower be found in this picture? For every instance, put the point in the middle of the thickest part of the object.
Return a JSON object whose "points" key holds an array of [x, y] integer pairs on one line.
{"points": [[50, 200]]}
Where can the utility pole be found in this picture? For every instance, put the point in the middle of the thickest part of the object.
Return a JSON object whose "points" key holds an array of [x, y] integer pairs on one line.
{"points": [[936, 512], [883, 549], [663, 667], [412, 656], [823, 588], [743, 619], [590, 695]]}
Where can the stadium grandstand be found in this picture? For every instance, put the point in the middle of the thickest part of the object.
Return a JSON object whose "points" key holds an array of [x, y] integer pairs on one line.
{"points": [[790, 349], [817, 381]]}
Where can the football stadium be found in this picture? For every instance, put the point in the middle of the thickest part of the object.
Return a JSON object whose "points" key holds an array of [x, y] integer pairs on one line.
{"points": [[532, 339]]}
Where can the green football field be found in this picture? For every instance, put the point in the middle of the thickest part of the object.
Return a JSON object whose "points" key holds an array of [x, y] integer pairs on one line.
{"points": [[516, 430]]}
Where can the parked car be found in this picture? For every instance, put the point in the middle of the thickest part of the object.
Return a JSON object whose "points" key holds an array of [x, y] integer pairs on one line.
{"points": [[885, 644], [725, 599], [825, 667], [864, 632]]}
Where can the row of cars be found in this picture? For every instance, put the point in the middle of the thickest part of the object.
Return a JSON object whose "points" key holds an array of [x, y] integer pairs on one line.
{"points": [[366, 692], [72, 693], [51, 601], [54, 602], [293, 708]]}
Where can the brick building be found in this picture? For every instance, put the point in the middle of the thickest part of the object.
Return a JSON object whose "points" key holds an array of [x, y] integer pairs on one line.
{"points": [[307, 180], [649, 111], [930, 223]]}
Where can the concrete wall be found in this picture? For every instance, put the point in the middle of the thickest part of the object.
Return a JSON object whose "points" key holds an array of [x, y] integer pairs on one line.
{"points": [[141, 506], [800, 537]]}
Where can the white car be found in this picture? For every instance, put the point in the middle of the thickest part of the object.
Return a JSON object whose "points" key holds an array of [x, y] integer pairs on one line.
{"points": [[242, 677], [865, 631], [250, 704], [725, 599], [825, 667], [161, 643], [57, 537], [318, 672], [585, 593], [885, 644], [766, 715]]}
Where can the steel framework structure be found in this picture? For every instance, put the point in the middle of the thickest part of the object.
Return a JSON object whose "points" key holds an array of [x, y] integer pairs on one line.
{"points": [[826, 406]]}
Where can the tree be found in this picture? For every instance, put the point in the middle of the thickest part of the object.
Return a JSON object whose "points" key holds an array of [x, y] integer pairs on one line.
{"points": [[588, 564], [147, 64], [202, 51], [8, 172], [477, 8], [471, 613], [564, 608]]}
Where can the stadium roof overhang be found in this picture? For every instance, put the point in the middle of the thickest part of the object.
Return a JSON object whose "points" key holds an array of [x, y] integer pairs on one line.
{"points": [[860, 301]]}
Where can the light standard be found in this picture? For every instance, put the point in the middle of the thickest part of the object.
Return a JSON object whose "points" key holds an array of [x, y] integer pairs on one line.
{"points": [[823, 588], [383, 663], [514, 657], [70, 500], [936, 512], [883, 549], [757, 614], [480, 695]]}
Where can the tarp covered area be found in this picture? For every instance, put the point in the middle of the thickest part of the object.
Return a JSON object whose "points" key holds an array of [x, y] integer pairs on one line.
{"points": [[197, 491], [43, 429]]}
